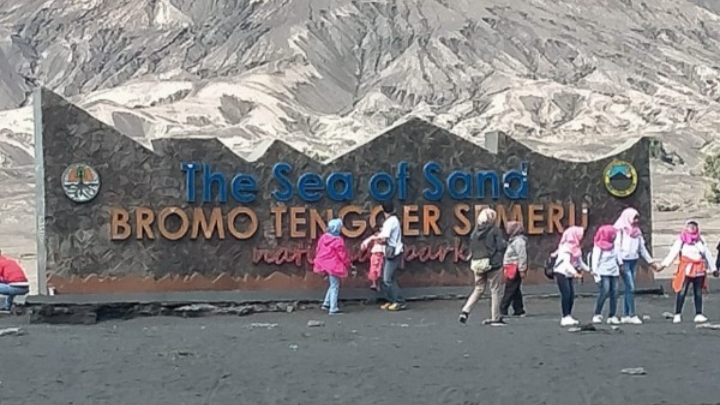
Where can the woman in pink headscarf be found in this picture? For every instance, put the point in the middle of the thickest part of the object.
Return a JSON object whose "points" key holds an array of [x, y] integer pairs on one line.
{"points": [[605, 266], [695, 262], [631, 246], [568, 264]]}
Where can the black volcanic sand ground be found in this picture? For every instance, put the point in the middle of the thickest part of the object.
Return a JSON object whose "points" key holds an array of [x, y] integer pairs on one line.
{"points": [[421, 356]]}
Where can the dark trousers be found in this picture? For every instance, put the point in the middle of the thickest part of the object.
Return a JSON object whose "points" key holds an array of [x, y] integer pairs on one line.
{"points": [[512, 296], [608, 287], [567, 293], [697, 283]]}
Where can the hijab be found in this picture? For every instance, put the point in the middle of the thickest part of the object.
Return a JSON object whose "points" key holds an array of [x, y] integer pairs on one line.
{"points": [[604, 237], [625, 222], [690, 238], [486, 217], [514, 228], [570, 241], [334, 227]]}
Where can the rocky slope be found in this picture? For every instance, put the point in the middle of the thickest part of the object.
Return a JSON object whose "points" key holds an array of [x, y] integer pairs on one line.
{"points": [[572, 78]]}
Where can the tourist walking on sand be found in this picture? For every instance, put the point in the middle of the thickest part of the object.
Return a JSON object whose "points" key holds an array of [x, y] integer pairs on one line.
{"points": [[13, 281], [695, 261], [391, 236], [332, 259], [569, 266], [631, 247], [605, 266], [487, 248], [515, 266]]}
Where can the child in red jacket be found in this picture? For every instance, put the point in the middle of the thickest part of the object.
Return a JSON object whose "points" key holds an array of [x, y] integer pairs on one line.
{"points": [[332, 259], [13, 281]]}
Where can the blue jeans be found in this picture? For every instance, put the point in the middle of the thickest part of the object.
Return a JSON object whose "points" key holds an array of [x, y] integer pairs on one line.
{"points": [[390, 285], [628, 276], [567, 293], [331, 296], [10, 292], [608, 289]]}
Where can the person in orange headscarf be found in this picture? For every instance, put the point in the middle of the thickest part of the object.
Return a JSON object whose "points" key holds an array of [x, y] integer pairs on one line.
{"points": [[695, 261], [568, 266]]}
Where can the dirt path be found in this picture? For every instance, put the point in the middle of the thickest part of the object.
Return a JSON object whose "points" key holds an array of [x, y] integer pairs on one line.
{"points": [[422, 356]]}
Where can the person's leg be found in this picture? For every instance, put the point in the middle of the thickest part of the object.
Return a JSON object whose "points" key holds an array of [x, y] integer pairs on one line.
{"points": [[334, 291], [680, 298], [603, 291], [571, 291], [562, 283], [613, 295], [10, 292], [697, 294], [494, 285], [518, 305], [328, 294], [389, 285], [509, 296], [630, 269], [478, 291]]}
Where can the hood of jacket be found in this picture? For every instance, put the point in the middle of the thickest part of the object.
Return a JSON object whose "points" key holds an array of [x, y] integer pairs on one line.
{"points": [[482, 231], [329, 241]]}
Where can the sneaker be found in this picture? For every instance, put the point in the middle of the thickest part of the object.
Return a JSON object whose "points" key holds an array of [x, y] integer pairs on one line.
{"points": [[336, 312], [569, 321], [520, 314], [635, 320], [632, 320], [325, 307], [396, 307], [613, 320], [385, 306], [677, 318], [700, 318], [597, 319], [494, 322], [463, 318]]}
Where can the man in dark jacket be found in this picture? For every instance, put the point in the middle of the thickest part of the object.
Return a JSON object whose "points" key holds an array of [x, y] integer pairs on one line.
{"points": [[487, 247]]}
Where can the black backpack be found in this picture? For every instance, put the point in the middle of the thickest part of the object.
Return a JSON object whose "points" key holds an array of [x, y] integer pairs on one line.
{"points": [[550, 266]]}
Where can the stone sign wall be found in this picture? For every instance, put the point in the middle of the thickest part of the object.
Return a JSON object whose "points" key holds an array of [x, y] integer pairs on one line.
{"points": [[189, 214]]}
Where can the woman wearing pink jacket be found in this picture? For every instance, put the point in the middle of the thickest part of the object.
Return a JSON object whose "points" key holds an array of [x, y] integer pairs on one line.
{"points": [[331, 258]]}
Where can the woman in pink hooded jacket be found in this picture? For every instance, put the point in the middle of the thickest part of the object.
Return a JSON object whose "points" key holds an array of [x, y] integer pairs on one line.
{"points": [[331, 258]]}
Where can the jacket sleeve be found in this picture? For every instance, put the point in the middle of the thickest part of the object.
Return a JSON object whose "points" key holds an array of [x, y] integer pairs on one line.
{"points": [[644, 251], [500, 243], [342, 252], [618, 248], [595, 259], [709, 258], [521, 250], [366, 243], [673, 253]]}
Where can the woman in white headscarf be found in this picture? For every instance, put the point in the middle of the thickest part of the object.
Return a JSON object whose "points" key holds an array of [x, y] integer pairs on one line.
{"points": [[487, 247]]}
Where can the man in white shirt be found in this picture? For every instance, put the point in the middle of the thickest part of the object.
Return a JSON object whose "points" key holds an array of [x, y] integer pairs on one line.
{"points": [[391, 236]]}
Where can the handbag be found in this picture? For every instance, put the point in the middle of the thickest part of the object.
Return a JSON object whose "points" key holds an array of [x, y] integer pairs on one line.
{"points": [[480, 266], [510, 270]]}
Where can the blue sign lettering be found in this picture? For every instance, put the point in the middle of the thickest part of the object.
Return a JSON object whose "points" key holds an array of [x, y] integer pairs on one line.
{"points": [[464, 185], [340, 186]]}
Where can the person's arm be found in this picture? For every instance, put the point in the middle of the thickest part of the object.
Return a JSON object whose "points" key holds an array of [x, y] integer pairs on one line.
{"points": [[521, 250], [342, 252], [366, 243], [384, 234], [565, 265], [617, 244], [595, 258], [500, 242], [709, 258], [672, 254], [583, 266], [644, 252]]}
